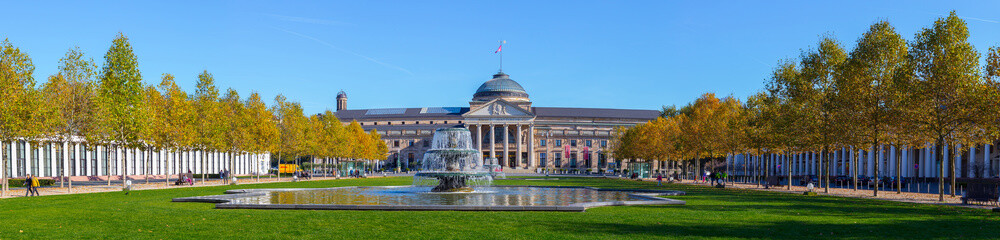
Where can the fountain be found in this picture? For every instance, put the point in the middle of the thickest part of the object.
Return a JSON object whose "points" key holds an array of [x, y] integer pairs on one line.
{"points": [[452, 165]]}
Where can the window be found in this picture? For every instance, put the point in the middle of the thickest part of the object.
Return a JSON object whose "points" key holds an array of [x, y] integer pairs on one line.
{"points": [[376, 123], [411, 143], [542, 143], [416, 122], [390, 123], [558, 142], [395, 143], [588, 143], [432, 122], [541, 159], [572, 143], [604, 143], [558, 160], [427, 142]]}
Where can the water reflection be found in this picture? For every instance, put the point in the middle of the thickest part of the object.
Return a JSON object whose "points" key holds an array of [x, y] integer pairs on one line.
{"points": [[484, 196]]}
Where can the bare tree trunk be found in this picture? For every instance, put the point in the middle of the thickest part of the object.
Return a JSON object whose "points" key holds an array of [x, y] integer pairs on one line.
{"points": [[107, 165], [149, 160], [204, 163], [826, 165], [951, 166], [939, 156], [854, 166], [3, 172], [899, 166], [788, 170], [878, 160]]}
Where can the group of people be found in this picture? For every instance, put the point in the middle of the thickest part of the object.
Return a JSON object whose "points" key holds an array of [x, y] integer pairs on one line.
{"points": [[31, 182], [303, 174], [715, 178], [356, 173], [185, 178], [224, 175]]}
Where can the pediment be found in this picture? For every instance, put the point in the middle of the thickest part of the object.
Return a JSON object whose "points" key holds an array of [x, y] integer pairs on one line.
{"points": [[498, 108]]}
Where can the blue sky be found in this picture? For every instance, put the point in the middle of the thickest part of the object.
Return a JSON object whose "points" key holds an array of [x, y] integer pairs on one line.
{"points": [[604, 54]]}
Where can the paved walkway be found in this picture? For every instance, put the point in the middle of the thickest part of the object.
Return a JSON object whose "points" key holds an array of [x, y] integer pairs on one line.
{"points": [[910, 197], [116, 186]]}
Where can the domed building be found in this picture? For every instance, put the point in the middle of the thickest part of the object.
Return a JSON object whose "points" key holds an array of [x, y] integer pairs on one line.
{"points": [[507, 129]]}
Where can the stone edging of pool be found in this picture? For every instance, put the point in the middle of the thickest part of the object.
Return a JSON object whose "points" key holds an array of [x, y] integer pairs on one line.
{"points": [[223, 201]]}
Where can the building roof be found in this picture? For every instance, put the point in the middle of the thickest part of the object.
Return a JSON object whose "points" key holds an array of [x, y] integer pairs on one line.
{"points": [[500, 86], [596, 113], [456, 113], [384, 113]]}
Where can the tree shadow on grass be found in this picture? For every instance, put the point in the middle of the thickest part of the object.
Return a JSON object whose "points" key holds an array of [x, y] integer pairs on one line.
{"points": [[925, 229]]}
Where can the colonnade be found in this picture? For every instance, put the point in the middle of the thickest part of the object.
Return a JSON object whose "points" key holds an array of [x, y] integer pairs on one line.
{"points": [[519, 144], [54, 159], [974, 161]]}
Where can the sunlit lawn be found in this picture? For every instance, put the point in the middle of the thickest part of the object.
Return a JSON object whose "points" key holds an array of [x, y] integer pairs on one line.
{"points": [[709, 213]]}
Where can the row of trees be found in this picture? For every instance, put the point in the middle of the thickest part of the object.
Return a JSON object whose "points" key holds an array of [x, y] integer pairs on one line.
{"points": [[930, 91], [110, 106]]}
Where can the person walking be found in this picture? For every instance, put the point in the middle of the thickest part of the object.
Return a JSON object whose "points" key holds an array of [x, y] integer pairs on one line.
{"points": [[34, 186], [27, 184], [659, 180]]}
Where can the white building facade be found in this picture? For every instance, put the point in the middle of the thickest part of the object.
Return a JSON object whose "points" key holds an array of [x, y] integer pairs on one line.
{"points": [[81, 162]]}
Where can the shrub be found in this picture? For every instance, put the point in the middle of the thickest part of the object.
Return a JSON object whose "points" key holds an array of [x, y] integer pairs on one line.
{"points": [[20, 182]]}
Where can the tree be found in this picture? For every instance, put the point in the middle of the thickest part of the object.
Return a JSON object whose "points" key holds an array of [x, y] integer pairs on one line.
{"points": [[261, 129], [210, 122], [942, 105], [867, 86], [120, 97], [233, 115], [16, 84], [291, 122], [69, 98], [812, 96]]}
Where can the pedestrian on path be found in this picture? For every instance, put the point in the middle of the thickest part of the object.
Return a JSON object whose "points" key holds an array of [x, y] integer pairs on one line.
{"points": [[659, 180], [27, 184], [32, 183]]}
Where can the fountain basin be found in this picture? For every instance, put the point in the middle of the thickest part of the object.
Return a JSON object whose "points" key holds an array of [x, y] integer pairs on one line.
{"points": [[418, 198]]}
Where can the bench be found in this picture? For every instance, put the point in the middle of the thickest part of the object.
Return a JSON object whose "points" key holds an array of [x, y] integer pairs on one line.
{"points": [[981, 193]]}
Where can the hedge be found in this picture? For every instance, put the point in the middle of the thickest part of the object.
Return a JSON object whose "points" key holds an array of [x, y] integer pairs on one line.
{"points": [[20, 182]]}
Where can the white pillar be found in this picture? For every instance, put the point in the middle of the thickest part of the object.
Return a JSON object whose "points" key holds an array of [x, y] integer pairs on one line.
{"points": [[12, 149], [479, 138], [493, 141], [987, 169], [531, 147], [971, 162], [506, 146], [518, 142]]}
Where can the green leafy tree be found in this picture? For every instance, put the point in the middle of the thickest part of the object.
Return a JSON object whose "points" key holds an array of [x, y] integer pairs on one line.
{"points": [[69, 99], [16, 84], [210, 122], [867, 86], [942, 103], [120, 97]]}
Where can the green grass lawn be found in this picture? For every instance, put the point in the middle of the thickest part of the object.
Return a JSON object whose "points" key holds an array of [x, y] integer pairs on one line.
{"points": [[709, 213]]}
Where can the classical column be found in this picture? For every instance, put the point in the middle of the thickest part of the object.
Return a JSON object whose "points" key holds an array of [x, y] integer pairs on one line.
{"points": [[531, 147], [479, 138], [506, 146], [518, 142], [12, 158], [971, 161], [27, 159], [493, 142], [987, 169]]}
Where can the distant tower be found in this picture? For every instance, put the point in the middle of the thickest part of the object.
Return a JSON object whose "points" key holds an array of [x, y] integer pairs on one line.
{"points": [[341, 100]]}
